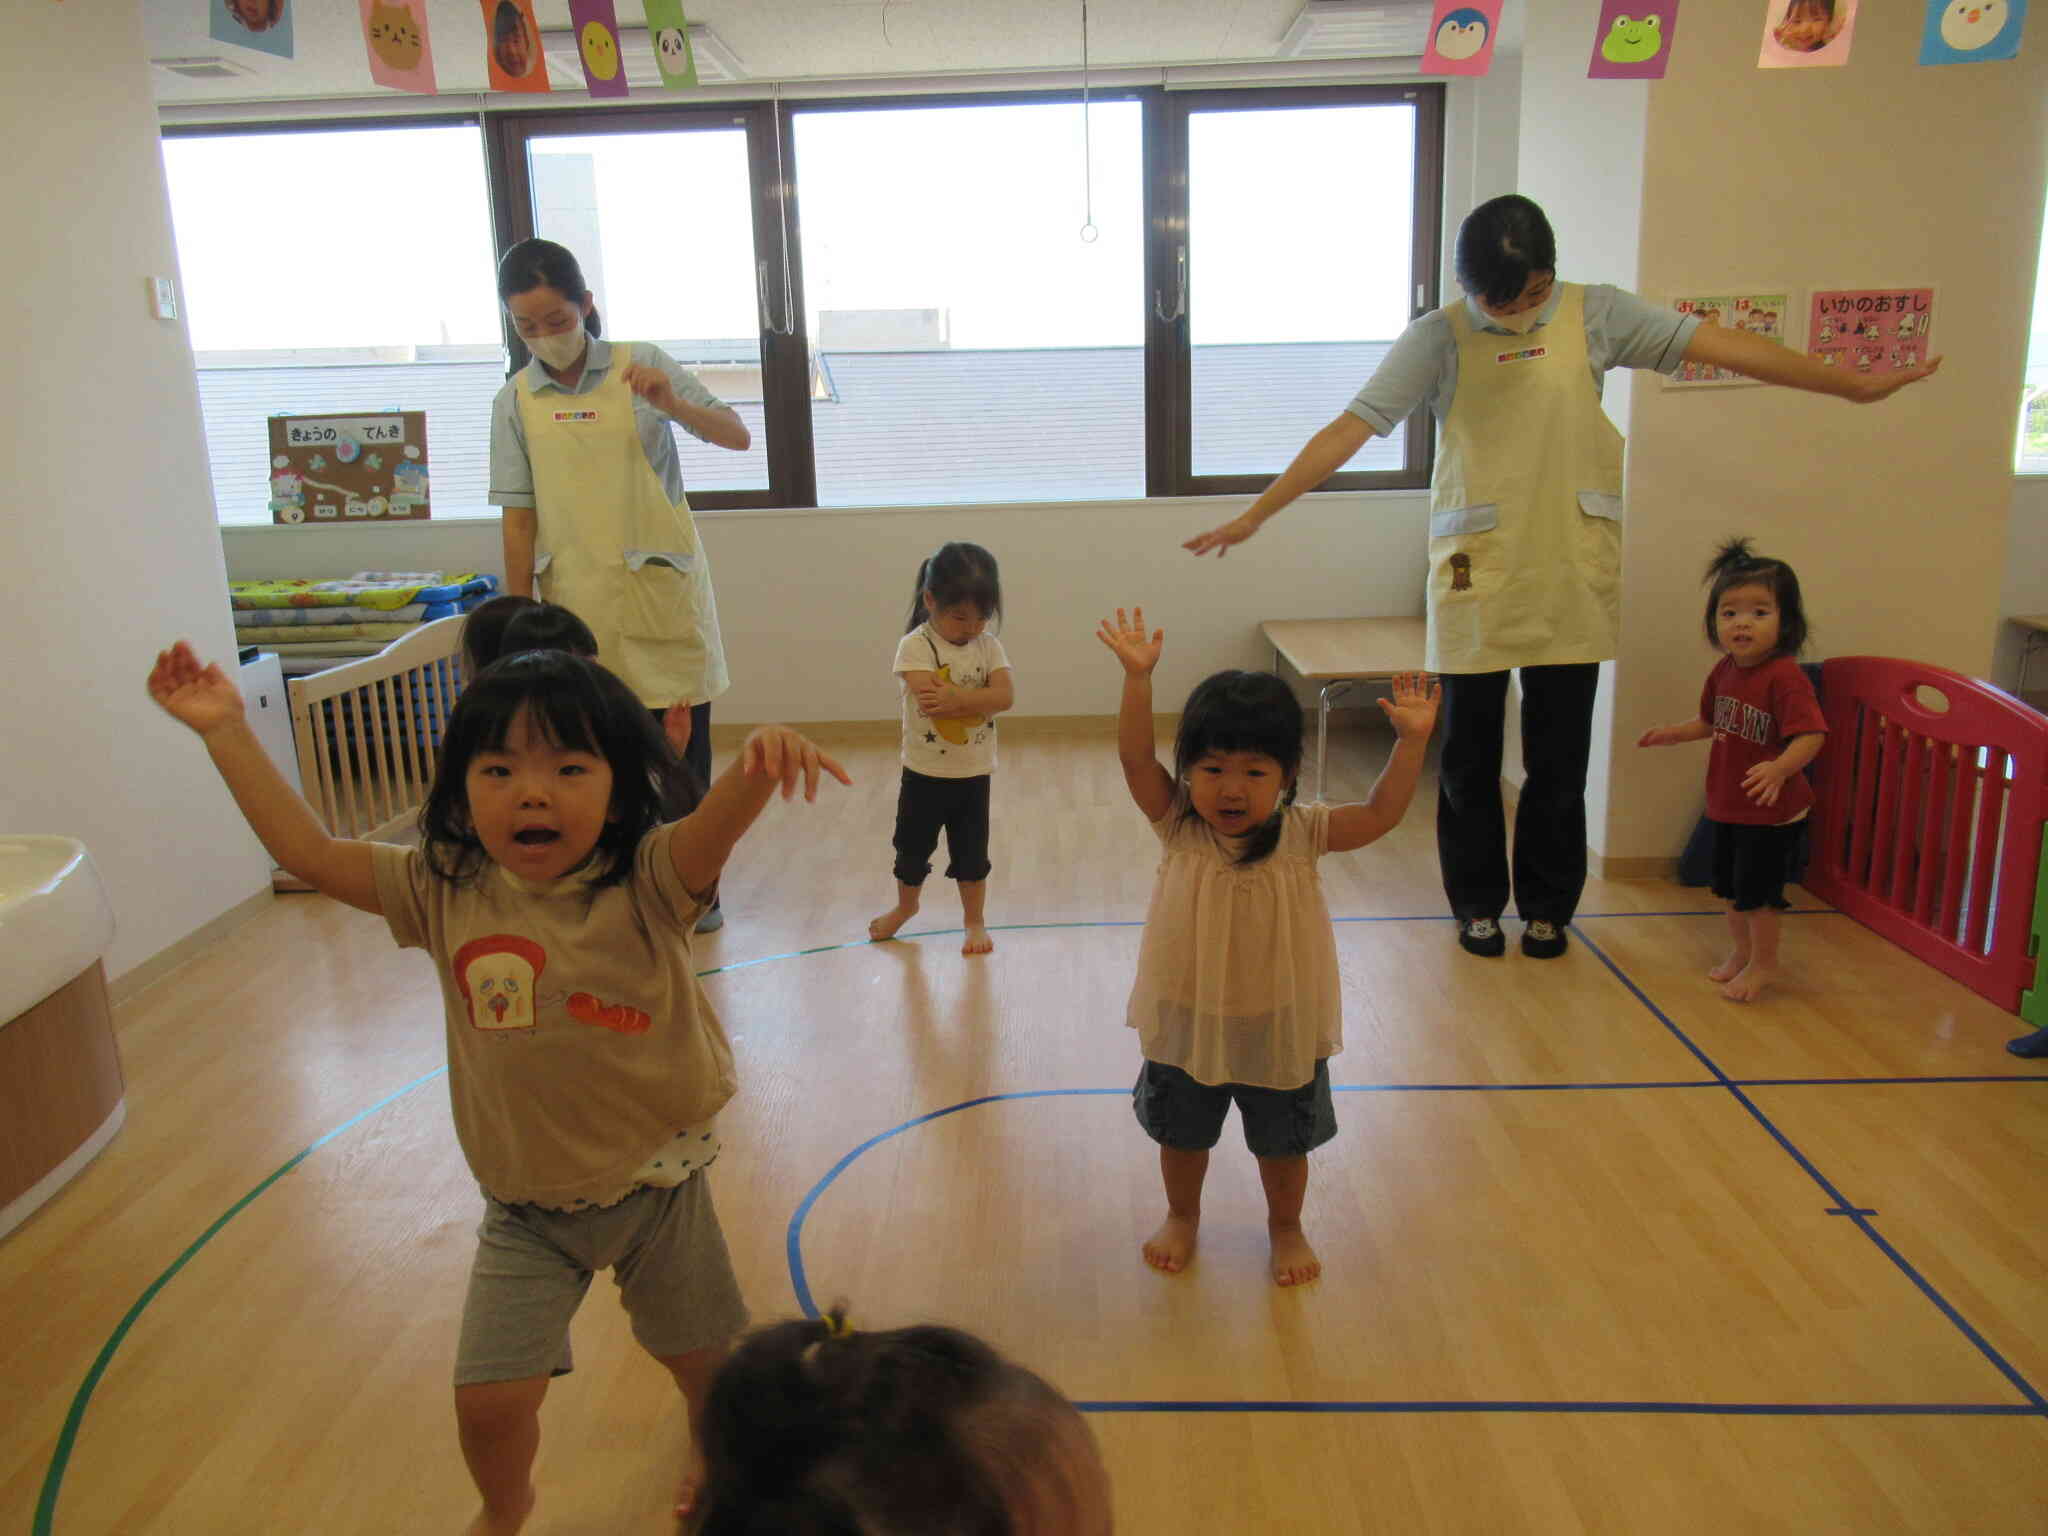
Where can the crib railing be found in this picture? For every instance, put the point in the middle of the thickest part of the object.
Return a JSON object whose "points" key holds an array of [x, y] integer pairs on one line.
{"points": [[368, 731], [1930, 801]]}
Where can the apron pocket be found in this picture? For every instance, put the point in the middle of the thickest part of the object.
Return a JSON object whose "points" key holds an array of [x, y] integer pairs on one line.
{"points": [[1449, 522], [1600, 504], [657, 602]]}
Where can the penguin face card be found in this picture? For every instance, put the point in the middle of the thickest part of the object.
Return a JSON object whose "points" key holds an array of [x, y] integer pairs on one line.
{"points": [[1807, 34], [1972, 31], [1461, 37]]}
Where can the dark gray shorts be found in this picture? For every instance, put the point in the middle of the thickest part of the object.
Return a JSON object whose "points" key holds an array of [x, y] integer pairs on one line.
{"points": [[533, 1266], [1177, 1111]]}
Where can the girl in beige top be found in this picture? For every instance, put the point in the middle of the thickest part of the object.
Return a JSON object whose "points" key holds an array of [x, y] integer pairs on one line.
{"points": [[1236, 999]]}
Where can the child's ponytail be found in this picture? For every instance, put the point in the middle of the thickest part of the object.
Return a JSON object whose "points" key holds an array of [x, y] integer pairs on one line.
{"points": [[1735, 564], [917, 613]]}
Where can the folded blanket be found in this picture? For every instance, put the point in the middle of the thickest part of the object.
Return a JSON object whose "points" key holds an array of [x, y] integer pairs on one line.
{"points": [[275, 634], [354, 613], [379, 590]]}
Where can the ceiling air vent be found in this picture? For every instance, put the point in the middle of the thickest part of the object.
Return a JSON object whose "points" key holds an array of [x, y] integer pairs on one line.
{"points": [[716, 63], [203, 68], [1358, 29]]}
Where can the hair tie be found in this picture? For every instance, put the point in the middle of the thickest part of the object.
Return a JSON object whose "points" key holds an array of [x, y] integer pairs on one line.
{"points": [[837, 1326]]}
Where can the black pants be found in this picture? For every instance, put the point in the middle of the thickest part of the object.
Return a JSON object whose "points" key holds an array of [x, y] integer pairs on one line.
{"points": [[678, 800], [924, 805], [1550, 821]]}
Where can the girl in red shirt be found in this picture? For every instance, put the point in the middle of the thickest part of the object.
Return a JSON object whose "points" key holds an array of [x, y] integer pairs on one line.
{"points": [[1766, 726]]}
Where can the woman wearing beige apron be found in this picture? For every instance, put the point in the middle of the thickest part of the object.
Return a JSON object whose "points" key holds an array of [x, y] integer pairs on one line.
{"points": [[584, 465], [1525, 537]]}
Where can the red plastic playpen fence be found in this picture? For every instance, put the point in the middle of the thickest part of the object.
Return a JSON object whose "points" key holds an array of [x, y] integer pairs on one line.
{"points": [[1927, 826]]}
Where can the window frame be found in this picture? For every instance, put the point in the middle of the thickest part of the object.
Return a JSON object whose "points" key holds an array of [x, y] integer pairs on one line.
{"points": [[1169, 356]]}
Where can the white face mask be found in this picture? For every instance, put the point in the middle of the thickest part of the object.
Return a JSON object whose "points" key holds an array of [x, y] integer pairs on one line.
{"points": [[1521, 324], [559, 352]]}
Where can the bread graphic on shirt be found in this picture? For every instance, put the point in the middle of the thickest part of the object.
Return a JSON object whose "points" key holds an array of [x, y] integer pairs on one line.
{"points": [[956, 730]]}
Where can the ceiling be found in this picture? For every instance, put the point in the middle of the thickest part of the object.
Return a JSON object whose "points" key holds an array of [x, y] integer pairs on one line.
{"points": [[775, 40]]}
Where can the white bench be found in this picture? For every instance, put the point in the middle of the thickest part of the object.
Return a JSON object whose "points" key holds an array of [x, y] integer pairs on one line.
{"points": [[1338, 655]]}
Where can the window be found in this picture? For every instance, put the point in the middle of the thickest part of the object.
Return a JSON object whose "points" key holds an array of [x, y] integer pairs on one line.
{"points": [[316, 279], [1307, 243], [909, 301], [970, 341], [2033, 444]]}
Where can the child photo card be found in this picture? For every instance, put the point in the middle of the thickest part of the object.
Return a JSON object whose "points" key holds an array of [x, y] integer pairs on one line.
{"points": [[512, 46], [1807, 34], [262, 24]]}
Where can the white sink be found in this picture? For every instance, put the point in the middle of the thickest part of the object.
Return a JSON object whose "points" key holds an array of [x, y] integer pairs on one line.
{"points": [[54, 918]]}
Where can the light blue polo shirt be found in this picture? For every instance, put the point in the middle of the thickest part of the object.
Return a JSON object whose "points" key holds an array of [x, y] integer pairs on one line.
{"points": [[1622, 331], [512, 471]]}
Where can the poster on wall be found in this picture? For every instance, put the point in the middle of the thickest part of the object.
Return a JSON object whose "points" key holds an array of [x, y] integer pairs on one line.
{"points": [[673, 55], [1873, 330], [401, 51], [349, 468], [1461, 37], [263, 24], [597, 44], [1807, 34], [512, 46], [1767, 312], [1633, 40], [1972, 31]]}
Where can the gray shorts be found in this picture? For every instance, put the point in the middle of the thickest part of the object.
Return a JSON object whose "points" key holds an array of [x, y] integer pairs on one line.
{"points": [[533, 1266], [1176, 1111]]}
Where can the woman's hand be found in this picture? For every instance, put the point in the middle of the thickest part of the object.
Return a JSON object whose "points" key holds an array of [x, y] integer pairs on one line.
{"points": [[1236, 531], [1869, 388], [200, 696], [1412, 709], [1127, 639], [652, 385], [777, 752]]}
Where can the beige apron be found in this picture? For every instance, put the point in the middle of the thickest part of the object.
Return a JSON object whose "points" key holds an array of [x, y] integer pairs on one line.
{"points": [[1525, 509], [612, 548]]}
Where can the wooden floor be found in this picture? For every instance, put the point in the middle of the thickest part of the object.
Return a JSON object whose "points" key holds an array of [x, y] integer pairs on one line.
{"points": [[1587, 1267]]}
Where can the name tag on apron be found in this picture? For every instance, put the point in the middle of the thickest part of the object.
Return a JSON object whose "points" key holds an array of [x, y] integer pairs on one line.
{"points": [[572, 417], [1524, 355]]}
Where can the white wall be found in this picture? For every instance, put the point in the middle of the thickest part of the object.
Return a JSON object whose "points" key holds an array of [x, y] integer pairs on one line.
{"points": [[106, 515], [1897, 516], [810, 603], [2026, 586]]}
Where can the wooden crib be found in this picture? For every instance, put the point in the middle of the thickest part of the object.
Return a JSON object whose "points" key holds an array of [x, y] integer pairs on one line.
{"points": [[367, 732], [1929, 805]]}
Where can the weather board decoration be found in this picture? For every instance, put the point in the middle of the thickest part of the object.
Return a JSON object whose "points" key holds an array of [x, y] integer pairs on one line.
{"points": [[1766, 312], [1872, 330], [512, 46], [401, 51], [261, 24], [670, 30], [1634, 39], [597, 43], [1807, 34], [1461, 37], [349, 468], [1972, 31]]}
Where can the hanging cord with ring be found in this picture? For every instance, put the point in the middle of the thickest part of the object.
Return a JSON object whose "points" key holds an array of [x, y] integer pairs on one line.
{"points": [[788, 326], [1088, 230]]}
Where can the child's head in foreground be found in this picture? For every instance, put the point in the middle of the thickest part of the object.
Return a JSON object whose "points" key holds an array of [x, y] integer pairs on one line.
{"points": [[549, 765], [509, 623], [815, 1429], [1236, 757], [1754, 611]]}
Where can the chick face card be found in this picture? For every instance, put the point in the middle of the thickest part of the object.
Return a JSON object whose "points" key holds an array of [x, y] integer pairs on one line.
{"points": [[1807, 34], [1633, 40], [597, 43], [1972, 31], [1461, 37], [512, 46]]}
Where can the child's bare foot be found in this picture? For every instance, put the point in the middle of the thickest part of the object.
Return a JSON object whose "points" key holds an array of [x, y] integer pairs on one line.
{"points": [[504, 1523], [977, 942], [885, 926], [1294, 1262], [1749, 985], [1170, 1248], [1730, 968]]}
